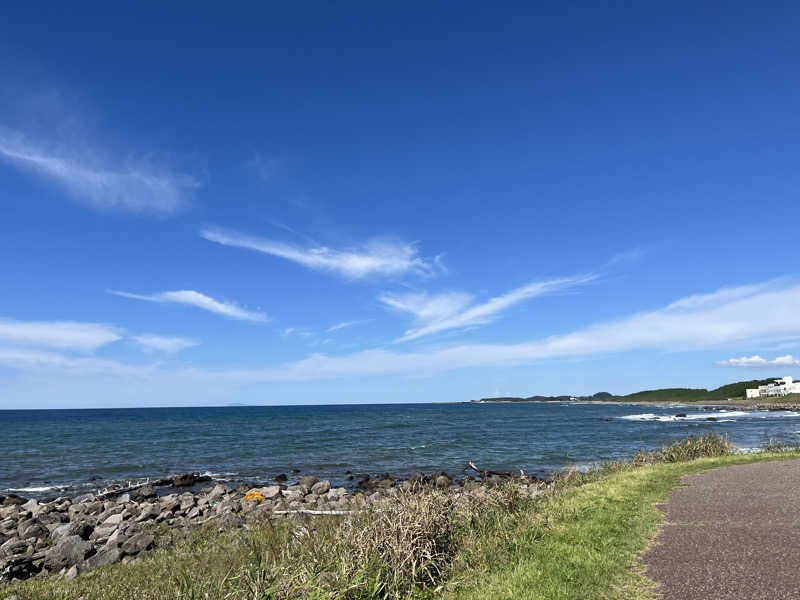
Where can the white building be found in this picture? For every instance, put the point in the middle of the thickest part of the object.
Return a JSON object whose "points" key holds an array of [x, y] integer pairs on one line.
{"points": [[780, 387]]}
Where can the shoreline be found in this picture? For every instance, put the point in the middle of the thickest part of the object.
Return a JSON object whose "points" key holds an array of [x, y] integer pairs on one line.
{"points": [[41, 488], [213, 532], [67, 536]]}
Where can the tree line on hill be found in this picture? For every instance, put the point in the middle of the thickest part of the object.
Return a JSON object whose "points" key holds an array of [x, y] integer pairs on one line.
{"points": [[731, 390]]}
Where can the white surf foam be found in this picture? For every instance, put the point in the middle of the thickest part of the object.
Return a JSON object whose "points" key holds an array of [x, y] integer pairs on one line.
{"points": [[36, 489], [722, 416]]}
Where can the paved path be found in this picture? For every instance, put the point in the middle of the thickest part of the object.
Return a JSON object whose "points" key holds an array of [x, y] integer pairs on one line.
{"points": [[732, 534]]}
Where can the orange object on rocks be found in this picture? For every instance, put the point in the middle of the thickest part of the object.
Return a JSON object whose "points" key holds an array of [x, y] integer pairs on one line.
{"points": [[254, 495]]}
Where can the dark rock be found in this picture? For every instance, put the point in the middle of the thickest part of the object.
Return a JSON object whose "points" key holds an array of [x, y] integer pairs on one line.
{"points": [[281, 478], [711, 418], [308, 481], [184, 479], [13, 500], [32, 528], [143, 493], [608, 420], [295, 470], [138, 543], [106, 556], [69, 551], [80, 528], [19, 568], [681, 415]]}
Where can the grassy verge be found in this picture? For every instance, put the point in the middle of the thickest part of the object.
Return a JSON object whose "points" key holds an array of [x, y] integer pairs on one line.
{"points": [[582, 539]]}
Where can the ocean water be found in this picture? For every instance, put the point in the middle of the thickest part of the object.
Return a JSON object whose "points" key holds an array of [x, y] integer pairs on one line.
{"points": [[47, 453]]}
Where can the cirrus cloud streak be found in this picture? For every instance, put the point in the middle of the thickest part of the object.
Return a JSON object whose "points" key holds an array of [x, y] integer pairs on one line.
{"points": [[376, 257], [137, 188], [198, 300]]}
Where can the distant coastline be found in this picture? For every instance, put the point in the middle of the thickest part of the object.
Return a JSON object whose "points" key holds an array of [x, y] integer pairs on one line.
{"points": [[732, 394]]}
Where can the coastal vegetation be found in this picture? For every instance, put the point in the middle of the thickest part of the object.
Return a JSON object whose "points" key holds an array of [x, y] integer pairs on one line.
{"points": [[579, 537], [732, 391]]}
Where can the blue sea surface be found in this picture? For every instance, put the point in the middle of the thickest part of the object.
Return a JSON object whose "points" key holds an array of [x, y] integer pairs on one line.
{"points": [[52, 452]]}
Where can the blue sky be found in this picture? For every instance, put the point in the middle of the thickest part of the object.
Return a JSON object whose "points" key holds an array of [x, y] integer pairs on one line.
{"points": [[282, 204]]}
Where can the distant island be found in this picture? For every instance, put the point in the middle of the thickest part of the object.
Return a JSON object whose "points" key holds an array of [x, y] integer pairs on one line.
{"points": [[732, 392]]}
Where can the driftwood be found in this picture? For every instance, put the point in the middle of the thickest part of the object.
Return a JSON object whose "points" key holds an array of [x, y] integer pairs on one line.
{"points": [[110, 492], [486, 473], [305, 511]]}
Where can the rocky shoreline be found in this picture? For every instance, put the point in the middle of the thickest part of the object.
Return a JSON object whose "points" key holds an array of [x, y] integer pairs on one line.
{"points": [[67, 536]]}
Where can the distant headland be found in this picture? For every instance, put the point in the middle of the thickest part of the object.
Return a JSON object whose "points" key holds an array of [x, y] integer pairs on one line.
{"points": [[732, 393]]}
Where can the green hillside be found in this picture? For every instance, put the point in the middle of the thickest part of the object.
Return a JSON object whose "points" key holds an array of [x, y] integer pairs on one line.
{"points": [[679, 395], [731, 390]]}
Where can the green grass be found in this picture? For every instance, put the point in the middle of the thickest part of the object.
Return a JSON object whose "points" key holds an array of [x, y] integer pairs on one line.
{"points": [[595, 536], [583, 539]]}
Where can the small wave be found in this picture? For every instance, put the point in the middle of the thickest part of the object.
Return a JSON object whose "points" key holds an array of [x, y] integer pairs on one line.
{"points": [[220, 476], [36, 489], [723, 416]]}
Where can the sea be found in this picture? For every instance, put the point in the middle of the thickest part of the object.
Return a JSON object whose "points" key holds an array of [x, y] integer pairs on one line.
{"points": [[48, 453]]}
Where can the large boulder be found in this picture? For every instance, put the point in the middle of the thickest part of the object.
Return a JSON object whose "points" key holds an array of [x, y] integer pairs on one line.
{"points": [[13, 499], [106, 556], [144, 493], [308, 481], [321, 487], [184, 480], [13, 546], [218, 492], [138, 543], [72, 550], [188, 479], [149, 511], [271, 492], [80, 528], [32, 528], [113, 520]]}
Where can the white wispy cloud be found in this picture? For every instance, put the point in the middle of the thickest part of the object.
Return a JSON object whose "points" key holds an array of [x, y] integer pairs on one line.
{"points": [[345, 324], [749, 314], [376, 257], [59, 334], [763, 313], [193, 298], [162, 343], [757, 361], [453, 310], [139, 188], [24, 359]]}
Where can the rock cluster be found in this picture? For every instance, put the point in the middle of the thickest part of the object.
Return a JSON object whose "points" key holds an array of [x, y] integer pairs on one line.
{"points": [[68, 536]]}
